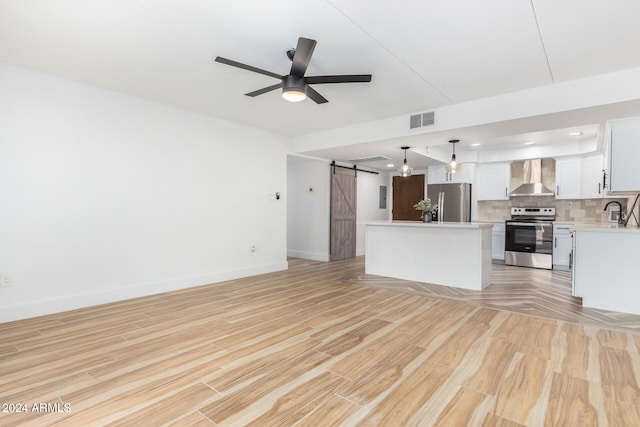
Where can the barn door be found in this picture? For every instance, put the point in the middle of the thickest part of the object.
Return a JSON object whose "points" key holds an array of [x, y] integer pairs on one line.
{"points": [[343, 214], [407, 191]]}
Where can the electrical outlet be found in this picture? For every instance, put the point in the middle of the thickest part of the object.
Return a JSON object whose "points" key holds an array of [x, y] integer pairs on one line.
{"points": [[252, 249], [6, 281]]}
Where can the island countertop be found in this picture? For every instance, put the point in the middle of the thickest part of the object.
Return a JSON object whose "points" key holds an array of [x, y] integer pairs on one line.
{"points": [[389, 223], [442, 253], [605, 260]]}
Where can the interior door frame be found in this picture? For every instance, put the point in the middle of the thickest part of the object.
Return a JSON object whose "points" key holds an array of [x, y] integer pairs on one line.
{"points": [[407, 197]]}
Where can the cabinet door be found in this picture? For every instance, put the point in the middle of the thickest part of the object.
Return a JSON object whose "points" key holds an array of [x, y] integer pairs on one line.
{"points": [[592, 185], [568, 178], [493, 181], [624, 154], [562, 246], [497, 241], [466, 174], [437, 175]]}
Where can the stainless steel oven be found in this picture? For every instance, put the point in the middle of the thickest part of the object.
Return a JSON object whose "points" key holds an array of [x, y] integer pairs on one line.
{"points": [[529, 237]]}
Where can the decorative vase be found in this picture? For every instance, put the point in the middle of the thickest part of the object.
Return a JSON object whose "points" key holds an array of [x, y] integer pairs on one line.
{"points": [[426, 217]]}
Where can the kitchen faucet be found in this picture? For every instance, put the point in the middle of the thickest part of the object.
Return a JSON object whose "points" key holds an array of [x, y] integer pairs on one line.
{"points": [[621, 215]]}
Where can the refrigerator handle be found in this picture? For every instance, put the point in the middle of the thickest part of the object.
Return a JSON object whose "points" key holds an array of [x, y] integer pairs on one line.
{"points": [[441, 206]]}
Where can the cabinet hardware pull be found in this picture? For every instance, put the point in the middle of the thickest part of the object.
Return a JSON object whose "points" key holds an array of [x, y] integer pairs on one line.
{"points": [[555, 244], [571, 260], [557, 190], [599, 189]]}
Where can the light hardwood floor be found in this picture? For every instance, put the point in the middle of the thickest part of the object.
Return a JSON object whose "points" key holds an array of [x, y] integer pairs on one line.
{"points": [[322, 344]]}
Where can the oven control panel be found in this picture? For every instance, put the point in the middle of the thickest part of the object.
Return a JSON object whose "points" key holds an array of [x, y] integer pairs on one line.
{"points": [[533, 212]]}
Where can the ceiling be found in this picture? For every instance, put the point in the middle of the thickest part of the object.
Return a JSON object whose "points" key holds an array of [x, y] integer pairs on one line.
{"points": [[423, 55]]}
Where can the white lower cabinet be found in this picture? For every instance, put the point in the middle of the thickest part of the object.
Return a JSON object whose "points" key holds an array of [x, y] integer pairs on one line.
{"points": [[497, 241], [562, 246]]}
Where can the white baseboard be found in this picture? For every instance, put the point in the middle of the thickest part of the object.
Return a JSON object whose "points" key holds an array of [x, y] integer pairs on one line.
{"points": [[314, 256], [73, 302]]}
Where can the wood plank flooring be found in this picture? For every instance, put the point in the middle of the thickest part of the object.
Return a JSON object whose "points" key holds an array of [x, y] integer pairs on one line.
{"points": [[545, 293], [323, 344]]}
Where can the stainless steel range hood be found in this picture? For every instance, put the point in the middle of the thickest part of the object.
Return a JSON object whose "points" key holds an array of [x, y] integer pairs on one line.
{"points": [[532, 180]]}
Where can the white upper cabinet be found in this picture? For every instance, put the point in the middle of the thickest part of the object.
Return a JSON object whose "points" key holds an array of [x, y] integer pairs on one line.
{"points": [[592, 174], [624, 152], [493, 181], [439, 175], [568, 178]]}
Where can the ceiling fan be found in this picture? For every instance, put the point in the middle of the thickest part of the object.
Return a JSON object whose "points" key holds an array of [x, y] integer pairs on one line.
{"points": [[295, 85]]}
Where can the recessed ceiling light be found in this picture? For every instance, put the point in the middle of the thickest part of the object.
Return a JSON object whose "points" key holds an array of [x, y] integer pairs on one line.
{"points": [[390, 165], [575, 134], [475, 144], [529, 143]]}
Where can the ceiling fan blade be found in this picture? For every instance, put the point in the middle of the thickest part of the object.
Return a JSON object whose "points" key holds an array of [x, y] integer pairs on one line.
{"points": [[264, 90], [345, 78], [246, 67], [301, 59], [315, 96]]}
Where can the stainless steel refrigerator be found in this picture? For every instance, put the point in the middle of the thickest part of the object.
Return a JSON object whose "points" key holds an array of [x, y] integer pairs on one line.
{"points": [[454, 201]]}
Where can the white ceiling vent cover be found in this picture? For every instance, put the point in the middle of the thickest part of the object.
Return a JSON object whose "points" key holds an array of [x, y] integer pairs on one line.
{"points": [[368, 159], [419, 120]]}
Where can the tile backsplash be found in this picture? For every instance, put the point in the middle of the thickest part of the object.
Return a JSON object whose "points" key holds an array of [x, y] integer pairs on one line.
{"points": [[580, 210]]}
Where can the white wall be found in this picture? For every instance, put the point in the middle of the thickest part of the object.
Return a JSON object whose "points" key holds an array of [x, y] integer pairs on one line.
{"points": [[308, 212], [368, 189], [308, 189], [588, 92], [106, 197]]}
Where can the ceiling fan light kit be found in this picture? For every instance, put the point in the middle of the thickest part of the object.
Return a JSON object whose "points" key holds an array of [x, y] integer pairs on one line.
{"points": [[295, 86], [294, 89]]}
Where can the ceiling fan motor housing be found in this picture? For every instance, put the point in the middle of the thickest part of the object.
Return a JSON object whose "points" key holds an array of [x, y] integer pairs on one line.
{"points": [[293, 83]]}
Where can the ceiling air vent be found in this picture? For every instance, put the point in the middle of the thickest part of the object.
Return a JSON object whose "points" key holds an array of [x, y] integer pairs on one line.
{"points": [[422, 119], [368, 159]]}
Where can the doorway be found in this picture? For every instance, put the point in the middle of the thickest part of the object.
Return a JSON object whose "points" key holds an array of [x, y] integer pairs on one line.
{"points": [[407, 191], [343, 214]]}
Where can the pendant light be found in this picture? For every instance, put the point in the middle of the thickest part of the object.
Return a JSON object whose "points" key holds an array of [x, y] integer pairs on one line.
{"points": [[405, 170], [453, 166]]}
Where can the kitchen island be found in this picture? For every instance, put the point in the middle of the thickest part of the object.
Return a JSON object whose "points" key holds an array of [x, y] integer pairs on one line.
{"points": [[450, 254], [605, 267]]}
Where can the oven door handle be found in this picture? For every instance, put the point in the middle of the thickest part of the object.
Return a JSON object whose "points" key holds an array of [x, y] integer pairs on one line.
{"points": [[529, 224]]}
